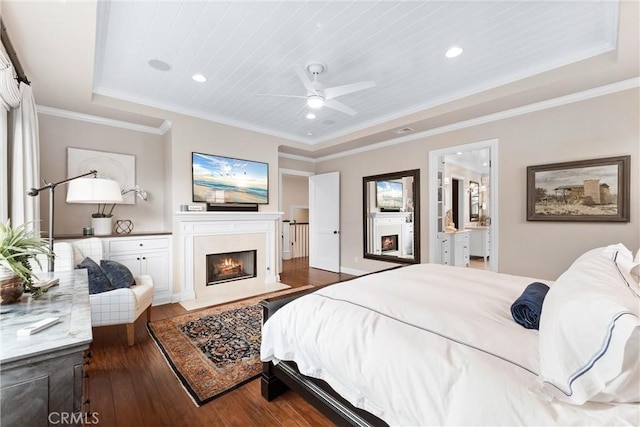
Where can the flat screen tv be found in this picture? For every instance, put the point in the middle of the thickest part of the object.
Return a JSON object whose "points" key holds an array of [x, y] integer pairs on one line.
{"points": [[218, 180], [389, 195]]}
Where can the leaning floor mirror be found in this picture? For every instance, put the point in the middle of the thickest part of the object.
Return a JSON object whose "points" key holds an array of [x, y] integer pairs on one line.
{"points": [[391, 213]]}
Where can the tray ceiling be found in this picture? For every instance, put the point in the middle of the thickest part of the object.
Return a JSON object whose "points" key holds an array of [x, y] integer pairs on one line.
{"points": [[250, 47]]}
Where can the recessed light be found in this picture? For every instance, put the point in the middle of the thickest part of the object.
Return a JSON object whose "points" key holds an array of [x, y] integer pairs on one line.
{"points": [[311, 116], [485, 164], [459, 153], [159, 65], [309, 134], [199, 78], [453, 52]]}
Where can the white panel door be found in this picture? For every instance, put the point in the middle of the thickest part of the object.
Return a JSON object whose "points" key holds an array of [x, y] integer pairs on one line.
{"points": [[324, 221]]}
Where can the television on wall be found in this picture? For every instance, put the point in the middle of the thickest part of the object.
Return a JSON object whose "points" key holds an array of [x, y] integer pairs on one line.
{"points": [[389, 195], [221, 180]]}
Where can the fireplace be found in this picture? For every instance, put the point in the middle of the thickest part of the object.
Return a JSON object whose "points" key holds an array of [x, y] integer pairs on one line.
{"points": [[389, 243], [230, 266]]}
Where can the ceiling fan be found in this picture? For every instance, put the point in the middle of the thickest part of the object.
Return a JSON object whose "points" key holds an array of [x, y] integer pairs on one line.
{"points": [[317, 96]]}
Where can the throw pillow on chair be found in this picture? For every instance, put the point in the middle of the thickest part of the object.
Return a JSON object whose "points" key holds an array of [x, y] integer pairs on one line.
{"points": [[98, 280], [118, 274]]}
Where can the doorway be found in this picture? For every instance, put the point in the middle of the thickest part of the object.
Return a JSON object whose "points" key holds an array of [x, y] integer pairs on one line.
{"points": [[451, 175], [293, 201], [457, 200]]}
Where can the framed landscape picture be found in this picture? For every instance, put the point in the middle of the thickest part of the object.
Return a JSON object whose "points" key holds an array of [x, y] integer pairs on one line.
{"points": [[586, 190]]}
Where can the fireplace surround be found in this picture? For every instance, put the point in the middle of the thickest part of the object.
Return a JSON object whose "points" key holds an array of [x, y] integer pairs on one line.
{"points": [[203, 233]]}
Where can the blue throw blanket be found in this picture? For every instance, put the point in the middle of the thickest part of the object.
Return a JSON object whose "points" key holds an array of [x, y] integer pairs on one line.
{"points": [[527, 308]]}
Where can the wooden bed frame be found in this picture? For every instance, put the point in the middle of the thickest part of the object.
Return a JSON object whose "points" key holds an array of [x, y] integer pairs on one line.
{"points": [[276, 379]]}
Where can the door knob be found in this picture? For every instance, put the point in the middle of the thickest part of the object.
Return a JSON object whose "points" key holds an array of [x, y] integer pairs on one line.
{"points": [[336, 232]]}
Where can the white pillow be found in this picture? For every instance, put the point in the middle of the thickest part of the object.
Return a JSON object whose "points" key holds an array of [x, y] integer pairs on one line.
{"points": [[635, 270], [589, 331]]}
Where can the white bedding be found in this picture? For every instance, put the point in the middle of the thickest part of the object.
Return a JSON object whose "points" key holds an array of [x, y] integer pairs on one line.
{"points": [[427, 345]]}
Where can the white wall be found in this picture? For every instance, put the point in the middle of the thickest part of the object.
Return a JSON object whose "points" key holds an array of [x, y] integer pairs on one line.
{"points": [[190, 134], [57, 133], [594, 128], [295, 192], [599, 127]]}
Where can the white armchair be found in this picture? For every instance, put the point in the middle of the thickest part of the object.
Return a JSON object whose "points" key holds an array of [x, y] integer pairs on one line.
{"points": [[116, 307]]}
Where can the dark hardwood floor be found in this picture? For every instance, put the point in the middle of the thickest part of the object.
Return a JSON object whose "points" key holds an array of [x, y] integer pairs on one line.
{"points": [[134, 386]]}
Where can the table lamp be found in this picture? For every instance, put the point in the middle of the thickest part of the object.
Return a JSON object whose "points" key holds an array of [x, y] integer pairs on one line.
{"points": [[99, 191]]}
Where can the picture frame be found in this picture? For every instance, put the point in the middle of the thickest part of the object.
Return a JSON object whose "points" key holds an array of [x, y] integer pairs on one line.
{"points": [[594, 190], [115, 166]]}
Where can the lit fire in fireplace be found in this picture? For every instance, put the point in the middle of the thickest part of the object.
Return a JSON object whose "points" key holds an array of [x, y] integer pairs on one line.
{"points": [[229, 266]]}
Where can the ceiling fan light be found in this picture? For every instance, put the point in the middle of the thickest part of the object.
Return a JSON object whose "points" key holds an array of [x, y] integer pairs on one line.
{"points": [[315, 101]]}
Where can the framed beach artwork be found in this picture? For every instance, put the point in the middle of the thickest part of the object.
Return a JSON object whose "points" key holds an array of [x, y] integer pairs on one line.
{"points": [[587, 190], [115, 166]]}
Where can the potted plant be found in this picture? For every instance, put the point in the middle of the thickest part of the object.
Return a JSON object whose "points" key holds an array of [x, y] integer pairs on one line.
{"points": [[19, 247], [101, 221]]}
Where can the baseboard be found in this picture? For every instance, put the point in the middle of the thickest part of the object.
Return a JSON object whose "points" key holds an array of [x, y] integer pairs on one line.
{"points": [[352, 271]]}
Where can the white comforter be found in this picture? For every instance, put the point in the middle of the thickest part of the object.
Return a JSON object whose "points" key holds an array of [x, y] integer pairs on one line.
{"points": [[427, 345]]}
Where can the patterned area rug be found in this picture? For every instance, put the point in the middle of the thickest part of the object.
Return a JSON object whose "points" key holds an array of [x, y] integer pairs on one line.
{"points": [[215, 350]]}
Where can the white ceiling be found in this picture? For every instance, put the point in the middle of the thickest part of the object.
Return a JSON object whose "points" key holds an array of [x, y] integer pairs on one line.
{"points": [[92, 58], [476, 161], [249, 47]]}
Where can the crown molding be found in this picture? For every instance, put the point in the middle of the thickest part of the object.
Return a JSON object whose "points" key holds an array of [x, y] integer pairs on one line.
{"points": [[538, 106], [514, 112], [57, 112], [165, 126], [297, 157]]}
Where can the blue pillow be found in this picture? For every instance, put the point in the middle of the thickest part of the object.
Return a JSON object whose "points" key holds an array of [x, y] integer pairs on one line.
{"points": [[98, 281], [118, 274]]}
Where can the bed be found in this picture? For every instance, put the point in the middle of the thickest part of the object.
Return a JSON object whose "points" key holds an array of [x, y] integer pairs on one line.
{"points": [[429, 344]]}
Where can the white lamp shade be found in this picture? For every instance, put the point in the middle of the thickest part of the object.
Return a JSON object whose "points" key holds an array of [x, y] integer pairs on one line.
{"points": [[93, 190]]}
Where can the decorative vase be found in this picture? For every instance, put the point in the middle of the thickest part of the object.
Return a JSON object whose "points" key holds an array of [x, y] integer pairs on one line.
{"points": [[101, 226]]}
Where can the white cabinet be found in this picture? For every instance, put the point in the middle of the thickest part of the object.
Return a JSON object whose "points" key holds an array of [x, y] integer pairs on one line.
{"points": [[459, 248], [144, 255], [444, 255], [480, 242]]}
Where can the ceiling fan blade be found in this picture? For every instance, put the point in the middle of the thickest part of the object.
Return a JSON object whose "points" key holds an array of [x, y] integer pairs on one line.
{"points": [[336, 91], [304, 78], [339, 106], [279, 96]]}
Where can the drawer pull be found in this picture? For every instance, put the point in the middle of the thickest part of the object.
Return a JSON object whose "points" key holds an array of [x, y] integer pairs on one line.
{"points": [[141, 244], [138, 259]]}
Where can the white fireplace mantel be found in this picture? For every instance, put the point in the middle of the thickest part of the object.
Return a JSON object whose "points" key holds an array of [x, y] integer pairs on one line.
{"points": [[190, 225]]}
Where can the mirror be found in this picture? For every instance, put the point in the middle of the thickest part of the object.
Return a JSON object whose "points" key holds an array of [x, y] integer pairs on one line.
{"points": [[391, 208], [474, 201]]}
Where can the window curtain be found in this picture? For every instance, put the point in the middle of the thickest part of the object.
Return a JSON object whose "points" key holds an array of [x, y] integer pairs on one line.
{"points": [[4, 166], [23, 147]]}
